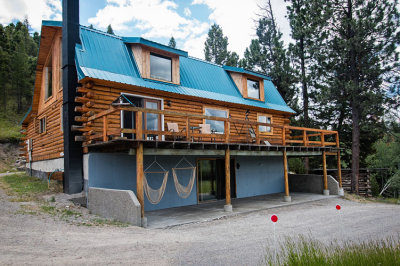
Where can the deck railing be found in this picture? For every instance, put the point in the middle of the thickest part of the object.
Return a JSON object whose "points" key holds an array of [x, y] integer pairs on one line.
{"points": [[290, 135]]}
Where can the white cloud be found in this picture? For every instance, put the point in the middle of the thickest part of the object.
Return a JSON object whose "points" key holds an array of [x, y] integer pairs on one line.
{"points": [[237, 19], [158, 18], [187, 12], [36, 11], [195, 46]]}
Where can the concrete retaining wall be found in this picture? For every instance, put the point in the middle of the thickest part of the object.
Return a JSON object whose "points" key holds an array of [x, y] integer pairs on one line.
{"points": [[121, 205], [41, 168], [312, 184]]}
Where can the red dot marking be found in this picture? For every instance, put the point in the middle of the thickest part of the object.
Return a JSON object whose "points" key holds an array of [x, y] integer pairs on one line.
{"points": [[274, 218], [338, 207]]}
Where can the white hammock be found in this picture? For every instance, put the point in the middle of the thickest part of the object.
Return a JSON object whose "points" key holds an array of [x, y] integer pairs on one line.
{"points": [[182, 191], [155, 195]]}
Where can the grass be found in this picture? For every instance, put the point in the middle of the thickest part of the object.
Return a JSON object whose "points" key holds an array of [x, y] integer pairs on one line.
{"points": [[310, 252], [357, 198], [9, 130], [27, 188], [104, 222]]}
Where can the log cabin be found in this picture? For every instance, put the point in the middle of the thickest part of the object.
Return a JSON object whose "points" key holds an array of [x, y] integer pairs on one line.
{"points": [[132, 114]]}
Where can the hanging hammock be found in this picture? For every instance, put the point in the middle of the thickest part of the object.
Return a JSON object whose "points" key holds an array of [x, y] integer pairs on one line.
{"points": [[182, 191], [155, 195]]}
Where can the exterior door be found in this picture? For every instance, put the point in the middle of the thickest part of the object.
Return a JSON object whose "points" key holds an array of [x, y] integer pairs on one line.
{"points": [[152, 121], [211, 179]]}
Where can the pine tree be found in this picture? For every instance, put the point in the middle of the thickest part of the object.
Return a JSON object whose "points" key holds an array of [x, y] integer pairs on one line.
{"points": [[91, 26], [360, 59], [172, 42], [268, 54], [233, 60], [216, 46], [110, 30]]}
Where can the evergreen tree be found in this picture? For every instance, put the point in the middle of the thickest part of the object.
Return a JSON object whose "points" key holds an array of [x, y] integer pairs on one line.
{"points": [[110, 30], [361, 56], [172, 42], [216, 46], [91, 26], [233, 60], [268, 54], [18, 55]]}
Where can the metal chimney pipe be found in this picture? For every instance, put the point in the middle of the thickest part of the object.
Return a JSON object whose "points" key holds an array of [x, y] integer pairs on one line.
{"points": [[73, 164]]}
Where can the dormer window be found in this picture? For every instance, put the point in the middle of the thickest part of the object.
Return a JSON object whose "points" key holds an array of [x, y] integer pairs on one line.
{"points": [[253, 89], [160, 67]]}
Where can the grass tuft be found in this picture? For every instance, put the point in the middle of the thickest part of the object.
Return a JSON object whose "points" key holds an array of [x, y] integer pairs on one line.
{"points": [[311, 252], [27, 188]]}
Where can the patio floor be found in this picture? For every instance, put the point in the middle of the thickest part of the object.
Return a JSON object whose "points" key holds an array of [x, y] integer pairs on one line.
{"points": [[215, 210]]}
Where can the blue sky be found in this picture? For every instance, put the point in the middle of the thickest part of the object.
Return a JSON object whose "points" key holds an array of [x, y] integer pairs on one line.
{"points": [[187, 20]]}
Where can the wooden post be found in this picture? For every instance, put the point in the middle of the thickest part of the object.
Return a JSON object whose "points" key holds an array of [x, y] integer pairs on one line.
{"points": [[284, 136], [139, 125], [257, 134], [286, 176], [305, 141], [227, 131], [105, 126], [322, 139], [326, 191], [339, 170], [139, 177], [228, 206], [187, 128]]}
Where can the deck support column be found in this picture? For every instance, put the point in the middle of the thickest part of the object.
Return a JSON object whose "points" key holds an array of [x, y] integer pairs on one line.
{"points": [[326, 190], [287, 197], [339, 175], [228, 205], [139, 181]]}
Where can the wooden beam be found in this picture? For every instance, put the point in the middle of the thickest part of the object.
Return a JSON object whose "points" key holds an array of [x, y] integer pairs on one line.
{"points": [[325, 170], [105, 126], [139, 125], [339, 169], [285, 172], [139, 177], [227, 177], [284, 137]]}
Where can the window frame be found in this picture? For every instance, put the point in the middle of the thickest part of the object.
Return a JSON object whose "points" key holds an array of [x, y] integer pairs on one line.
{"points": [[142, 98], [270, 132], [171, 66], [46, 68], [259, 88], [219, 109], [43, 125]]}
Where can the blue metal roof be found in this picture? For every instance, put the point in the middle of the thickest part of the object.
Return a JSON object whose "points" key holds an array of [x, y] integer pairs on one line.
{"points": [[154, 45], [242, 70], [108, 57]]}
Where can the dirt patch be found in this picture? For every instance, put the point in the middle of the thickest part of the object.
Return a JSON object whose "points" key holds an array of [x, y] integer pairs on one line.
{"points": [[9, 157]]}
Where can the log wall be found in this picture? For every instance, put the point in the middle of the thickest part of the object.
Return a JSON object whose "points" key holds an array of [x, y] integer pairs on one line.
{"points": [[97, 98]]}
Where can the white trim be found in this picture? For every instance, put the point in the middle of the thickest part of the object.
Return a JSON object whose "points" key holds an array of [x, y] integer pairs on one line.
{"points": [[145, 97]]}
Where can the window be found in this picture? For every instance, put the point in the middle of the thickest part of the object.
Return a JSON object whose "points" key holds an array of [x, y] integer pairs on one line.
{"points": [[160, 67], [253, 89], [264, 119], [48, 86], [216, 126], [150, 121], [42, 125]]}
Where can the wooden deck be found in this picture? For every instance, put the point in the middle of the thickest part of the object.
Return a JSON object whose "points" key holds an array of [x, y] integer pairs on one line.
{"points": [[295, 138]]}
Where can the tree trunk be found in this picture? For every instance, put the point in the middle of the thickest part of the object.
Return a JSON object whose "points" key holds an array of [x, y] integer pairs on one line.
{"points": [[355, 147]]}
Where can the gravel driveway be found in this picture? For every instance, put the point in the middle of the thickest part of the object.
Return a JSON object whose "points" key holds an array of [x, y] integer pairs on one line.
{"points": [[240, 240]]}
